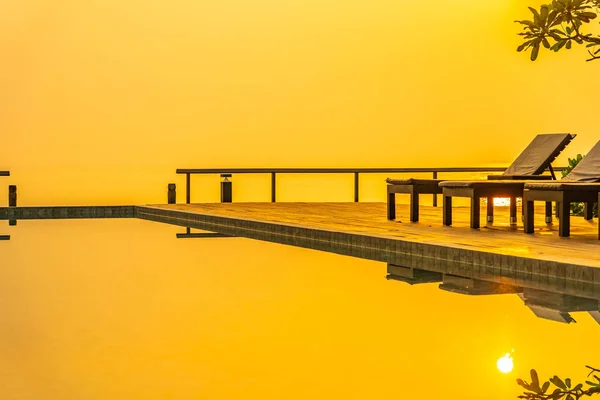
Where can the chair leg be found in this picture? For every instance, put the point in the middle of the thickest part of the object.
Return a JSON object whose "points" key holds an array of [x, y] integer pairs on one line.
{"points": [[490, 209], [564, 223], [548, 212], [475, 206], [391, 206], [513, 210], [447, 210], [414, 206], [589, 211], [529, 214]]}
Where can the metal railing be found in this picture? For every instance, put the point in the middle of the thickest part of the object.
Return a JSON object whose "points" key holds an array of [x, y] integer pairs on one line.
{"points": [[356, 171]]}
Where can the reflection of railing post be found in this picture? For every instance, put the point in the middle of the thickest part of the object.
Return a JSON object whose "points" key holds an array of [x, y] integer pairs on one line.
{"points": [[435, 176], [12, 196], [172, 194], [226, 189]]}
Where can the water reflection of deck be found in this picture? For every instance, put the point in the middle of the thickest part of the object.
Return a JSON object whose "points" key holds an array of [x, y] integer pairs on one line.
{"points": [[492, 260], [554, 304]]}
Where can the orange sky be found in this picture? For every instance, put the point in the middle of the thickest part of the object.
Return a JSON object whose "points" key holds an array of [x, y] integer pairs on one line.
{"points": [[106, 98]]}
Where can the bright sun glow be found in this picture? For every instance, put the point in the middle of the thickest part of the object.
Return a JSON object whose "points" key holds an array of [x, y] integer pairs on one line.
{"points": [[502, 202], [505, 364]]}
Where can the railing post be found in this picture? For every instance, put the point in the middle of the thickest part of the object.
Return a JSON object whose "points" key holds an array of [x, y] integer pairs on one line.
{"points": [[356, 187], [187, 188], [435, 176], [172, 193], [226, 189], [273, 187]]}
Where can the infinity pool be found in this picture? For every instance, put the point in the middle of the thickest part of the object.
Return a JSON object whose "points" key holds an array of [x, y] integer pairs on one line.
{"points": [[122, 309]]}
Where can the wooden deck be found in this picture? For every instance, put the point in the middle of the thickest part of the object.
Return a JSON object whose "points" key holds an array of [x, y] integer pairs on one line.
{"points": [[582, 248]]}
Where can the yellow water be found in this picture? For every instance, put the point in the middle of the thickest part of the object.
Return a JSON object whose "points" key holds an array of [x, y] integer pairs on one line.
{"points": [[121, 309]]}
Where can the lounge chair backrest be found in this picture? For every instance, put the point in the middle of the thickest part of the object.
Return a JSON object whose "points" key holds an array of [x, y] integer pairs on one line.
{"points": [[588, 169], [540, 153]]}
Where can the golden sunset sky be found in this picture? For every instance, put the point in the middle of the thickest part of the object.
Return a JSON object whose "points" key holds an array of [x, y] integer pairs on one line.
{"points": [[103, 99]]}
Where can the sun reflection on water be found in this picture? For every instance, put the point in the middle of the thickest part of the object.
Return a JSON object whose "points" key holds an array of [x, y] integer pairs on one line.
{"points": [[505, 363]]}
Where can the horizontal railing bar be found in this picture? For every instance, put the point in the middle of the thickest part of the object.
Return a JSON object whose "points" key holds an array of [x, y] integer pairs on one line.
{"points": [[334, 170], [4, 173]]}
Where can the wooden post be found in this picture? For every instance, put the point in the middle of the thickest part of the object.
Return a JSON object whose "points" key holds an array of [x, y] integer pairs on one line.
{"points": [[447, 204], [172, 194], [12, 196], [356, 187], [588, 211], [435, 176], [548, 212], [513, 210], [564, 223], [273, 187], [414, 205], [475, 209], [490, 209], [529, 215], [187, 188], [391, 206]]}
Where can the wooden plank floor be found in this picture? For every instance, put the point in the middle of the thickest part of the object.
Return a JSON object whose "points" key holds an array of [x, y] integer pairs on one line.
{"points": [[582, 248]]}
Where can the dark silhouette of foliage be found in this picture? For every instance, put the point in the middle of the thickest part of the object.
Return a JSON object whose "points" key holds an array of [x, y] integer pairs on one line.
{"points": [[563, 388], [558, 25], [577, 208]]}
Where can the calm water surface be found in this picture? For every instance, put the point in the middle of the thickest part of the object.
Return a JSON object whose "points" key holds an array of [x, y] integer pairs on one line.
{"points": [[121, 309]]}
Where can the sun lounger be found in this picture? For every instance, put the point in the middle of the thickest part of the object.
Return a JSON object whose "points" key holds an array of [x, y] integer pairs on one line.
{"points": [[582, 184], [533, 161]]}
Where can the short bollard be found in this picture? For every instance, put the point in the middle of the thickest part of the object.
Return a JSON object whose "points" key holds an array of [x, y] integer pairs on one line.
{"points": [[172, 194], [12, 196], [226, 189]]}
